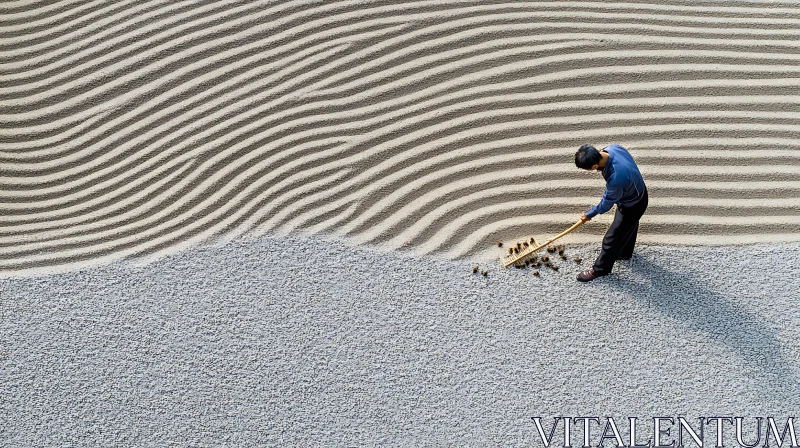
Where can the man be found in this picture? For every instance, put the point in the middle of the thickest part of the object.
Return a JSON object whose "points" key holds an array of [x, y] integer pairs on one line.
{"points": [[624, 187]]}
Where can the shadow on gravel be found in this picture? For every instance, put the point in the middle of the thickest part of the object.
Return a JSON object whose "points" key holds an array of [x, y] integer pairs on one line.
{"points": [[685, 298]]}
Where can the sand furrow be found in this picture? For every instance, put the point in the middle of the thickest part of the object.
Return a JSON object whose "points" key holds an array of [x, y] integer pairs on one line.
{"points": [[230, 39], [42, 180], [151, 162], [125, 131], [743, 100], [449, 234], [179, 106], [54, 134], [384, 171], [168, 224], [560, 76], [149, 36], [168, 211], [571, 26], [125, 231], [171, 233], [66, 39], [484, 231], [75, 13], [19, 10], [53, 31], [405, 202], [670, 229], [758, 142], [61, 222], [136, 129], [445, 188], [186, 88], [425, 218]]}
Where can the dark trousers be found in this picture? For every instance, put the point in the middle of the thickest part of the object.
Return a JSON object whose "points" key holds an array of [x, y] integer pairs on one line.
{"points": [[621, 236]]}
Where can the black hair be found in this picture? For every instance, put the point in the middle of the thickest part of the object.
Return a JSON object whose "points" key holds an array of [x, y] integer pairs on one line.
{"points": [[587, 156]]}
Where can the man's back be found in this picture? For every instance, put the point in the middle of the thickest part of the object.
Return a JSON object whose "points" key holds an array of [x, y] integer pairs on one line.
{"points": [[624, 182]]}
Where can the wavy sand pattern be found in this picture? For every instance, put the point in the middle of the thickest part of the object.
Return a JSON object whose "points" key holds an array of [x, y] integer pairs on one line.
{"points": [[137, 128]]}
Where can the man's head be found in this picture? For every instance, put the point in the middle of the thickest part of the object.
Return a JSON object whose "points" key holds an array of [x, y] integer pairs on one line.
{"points": [[588, 158]]}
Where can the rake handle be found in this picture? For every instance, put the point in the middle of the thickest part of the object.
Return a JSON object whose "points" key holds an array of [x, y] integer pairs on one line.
{"points": [[574, 226]]}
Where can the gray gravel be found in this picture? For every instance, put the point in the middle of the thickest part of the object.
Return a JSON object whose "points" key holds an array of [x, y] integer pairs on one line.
{"points": [[266, 341]]}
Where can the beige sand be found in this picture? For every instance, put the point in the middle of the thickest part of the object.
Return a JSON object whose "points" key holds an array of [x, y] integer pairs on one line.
{"points": [[133, 129]]}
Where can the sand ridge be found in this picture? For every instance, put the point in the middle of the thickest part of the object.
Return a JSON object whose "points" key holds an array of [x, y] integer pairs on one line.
{"points": [[138, 128]]}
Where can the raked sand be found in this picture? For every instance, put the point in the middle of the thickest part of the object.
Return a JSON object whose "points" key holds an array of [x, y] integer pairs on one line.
{"points": [[138, 128], [301, 341]]}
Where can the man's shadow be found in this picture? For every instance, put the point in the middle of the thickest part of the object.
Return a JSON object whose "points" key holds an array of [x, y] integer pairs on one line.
{"points": [[685, 298]]}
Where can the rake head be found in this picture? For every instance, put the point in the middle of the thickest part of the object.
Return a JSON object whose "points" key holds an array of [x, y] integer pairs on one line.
{"points": [[522, 256], [531, 250]]}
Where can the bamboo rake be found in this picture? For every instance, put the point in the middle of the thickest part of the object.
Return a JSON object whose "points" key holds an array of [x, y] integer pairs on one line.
{"points": [[532, 250]]}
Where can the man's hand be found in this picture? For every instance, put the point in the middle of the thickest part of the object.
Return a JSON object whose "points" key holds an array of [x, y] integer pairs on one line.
{"points": [[584, 218]]}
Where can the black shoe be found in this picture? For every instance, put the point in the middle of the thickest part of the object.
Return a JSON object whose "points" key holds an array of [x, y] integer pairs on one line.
{"points": [[625, 258], [588, 275]]}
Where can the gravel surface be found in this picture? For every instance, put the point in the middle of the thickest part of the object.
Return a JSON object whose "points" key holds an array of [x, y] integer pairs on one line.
{"points": [[301, 341]]}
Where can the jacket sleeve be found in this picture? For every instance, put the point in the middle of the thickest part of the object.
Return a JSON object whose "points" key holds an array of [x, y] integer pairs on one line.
{"points": [[611, 196]]}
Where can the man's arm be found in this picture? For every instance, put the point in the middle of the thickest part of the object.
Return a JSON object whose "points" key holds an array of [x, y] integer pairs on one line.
{"points": [[610, 197]]}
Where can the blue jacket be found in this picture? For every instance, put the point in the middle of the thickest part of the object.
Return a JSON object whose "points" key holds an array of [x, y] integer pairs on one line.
{"points": [[624, 183]]}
